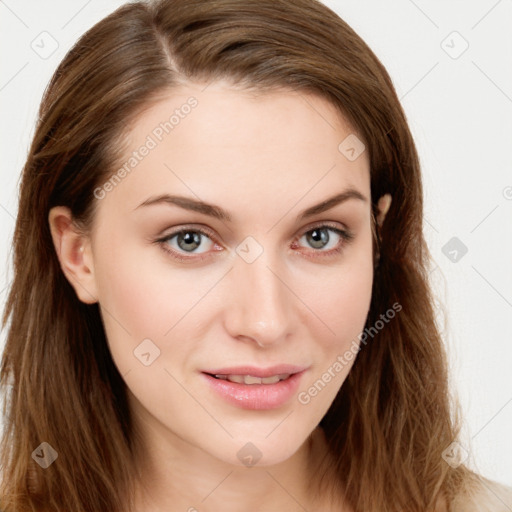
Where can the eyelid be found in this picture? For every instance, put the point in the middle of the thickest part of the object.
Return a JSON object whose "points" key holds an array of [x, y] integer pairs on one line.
{"points": [[204, 230], [343, 231], [325, 223]]}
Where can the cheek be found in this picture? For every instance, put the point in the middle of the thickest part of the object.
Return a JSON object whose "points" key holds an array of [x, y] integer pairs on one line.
{"points": [[343, 308], [143, 297], [351, 302], [340, 295], [135, 300]]}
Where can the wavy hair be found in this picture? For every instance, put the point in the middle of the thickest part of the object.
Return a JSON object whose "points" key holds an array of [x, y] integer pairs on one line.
{"points": [[393, 417]]}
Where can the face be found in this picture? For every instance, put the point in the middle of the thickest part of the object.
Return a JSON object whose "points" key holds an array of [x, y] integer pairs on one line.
{"points": [[263, 283]]}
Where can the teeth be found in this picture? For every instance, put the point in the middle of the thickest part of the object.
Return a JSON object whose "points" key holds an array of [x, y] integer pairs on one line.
{"points": [[236, 378], [270, 380], [250, 379]]}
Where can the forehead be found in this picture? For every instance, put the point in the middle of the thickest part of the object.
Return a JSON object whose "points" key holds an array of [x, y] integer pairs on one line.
{"points": [[242, 148]]}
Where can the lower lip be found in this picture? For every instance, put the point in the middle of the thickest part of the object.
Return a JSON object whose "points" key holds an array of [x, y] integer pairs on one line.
{"points": [[256, 396]]}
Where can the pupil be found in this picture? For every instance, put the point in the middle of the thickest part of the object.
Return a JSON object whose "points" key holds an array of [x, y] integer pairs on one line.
{"points": [[320, 237], [190, 238]]}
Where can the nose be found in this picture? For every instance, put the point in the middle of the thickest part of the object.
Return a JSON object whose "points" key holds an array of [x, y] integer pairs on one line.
{"points": [[260, 308]]}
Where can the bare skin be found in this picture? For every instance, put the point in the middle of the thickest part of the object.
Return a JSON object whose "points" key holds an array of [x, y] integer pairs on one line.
{"points": [[265, 158]]}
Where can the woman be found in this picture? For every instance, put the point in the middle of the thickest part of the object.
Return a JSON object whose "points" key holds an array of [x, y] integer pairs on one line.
{"points": [[289, 357]]}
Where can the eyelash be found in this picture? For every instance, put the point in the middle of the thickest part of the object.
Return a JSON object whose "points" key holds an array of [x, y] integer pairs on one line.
{"points": [[346, 237]]}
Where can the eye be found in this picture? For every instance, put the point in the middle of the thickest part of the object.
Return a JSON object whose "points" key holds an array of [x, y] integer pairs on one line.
{"points": [[189, 239], [186, 240], [319, 238]]}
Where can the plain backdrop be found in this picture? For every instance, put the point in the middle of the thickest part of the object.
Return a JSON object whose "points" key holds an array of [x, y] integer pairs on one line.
{"points": [[451, 63]]}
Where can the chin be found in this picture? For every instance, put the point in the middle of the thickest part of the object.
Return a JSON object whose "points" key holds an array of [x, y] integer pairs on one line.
{"points": [[259, 451]]}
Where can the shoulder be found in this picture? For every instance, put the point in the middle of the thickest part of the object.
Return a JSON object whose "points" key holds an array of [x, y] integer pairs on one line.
{"points": [[483, 496]]}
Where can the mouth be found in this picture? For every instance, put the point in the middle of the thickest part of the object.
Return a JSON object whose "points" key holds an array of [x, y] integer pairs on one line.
{"points": [[278, 370], [251, 379], [255, 388]]}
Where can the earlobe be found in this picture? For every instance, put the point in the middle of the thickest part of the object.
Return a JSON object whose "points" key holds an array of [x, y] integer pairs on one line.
{"points": [[74, 253], [383, 206]]}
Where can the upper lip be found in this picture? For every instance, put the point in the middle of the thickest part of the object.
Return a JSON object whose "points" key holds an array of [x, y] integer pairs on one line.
{"points": [[257, 372]]}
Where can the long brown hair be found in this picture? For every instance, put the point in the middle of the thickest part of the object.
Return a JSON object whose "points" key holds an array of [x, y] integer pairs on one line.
{"points": [[393, 417]]}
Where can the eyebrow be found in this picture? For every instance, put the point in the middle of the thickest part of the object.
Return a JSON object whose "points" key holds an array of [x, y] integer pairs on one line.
{"points": [[217, 212]]}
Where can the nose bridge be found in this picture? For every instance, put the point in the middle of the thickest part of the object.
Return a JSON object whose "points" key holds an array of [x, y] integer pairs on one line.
{"points": [[261, 305]]}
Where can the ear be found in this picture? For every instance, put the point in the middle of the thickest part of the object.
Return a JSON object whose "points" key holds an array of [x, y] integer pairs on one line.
{"points": [[383, 207], [74, 253]]}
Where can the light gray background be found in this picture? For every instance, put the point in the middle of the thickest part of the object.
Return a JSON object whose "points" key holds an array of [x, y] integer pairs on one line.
{"points": [[458, 102]]}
